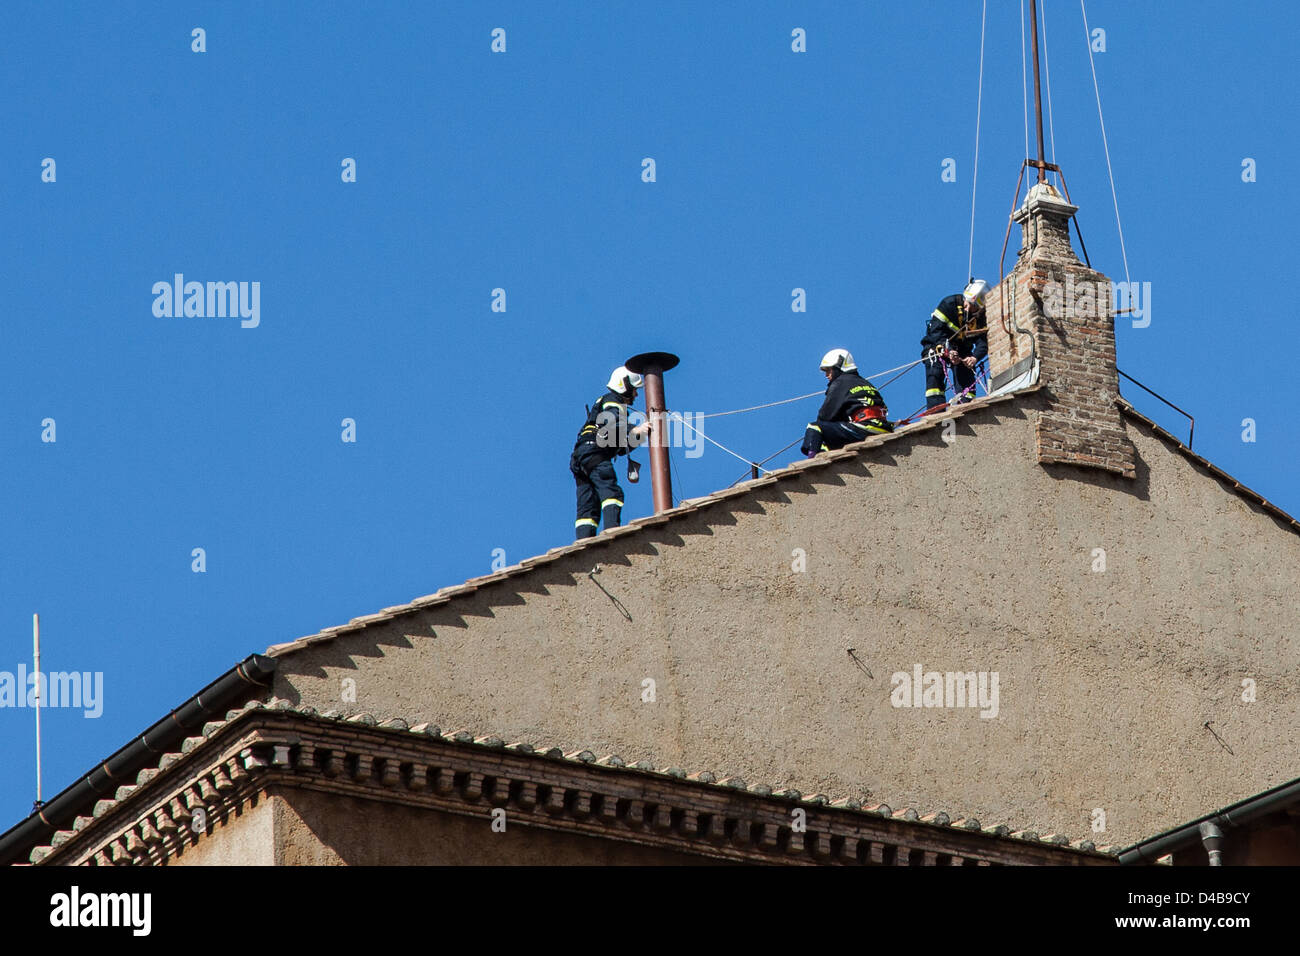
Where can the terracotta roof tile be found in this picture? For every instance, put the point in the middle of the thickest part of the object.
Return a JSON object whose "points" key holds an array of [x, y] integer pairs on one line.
{"points": [[369, 618], [1231, 483], [648, 521]]}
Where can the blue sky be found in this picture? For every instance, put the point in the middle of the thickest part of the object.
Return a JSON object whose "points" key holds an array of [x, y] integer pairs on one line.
{"points": [[522, 171]]}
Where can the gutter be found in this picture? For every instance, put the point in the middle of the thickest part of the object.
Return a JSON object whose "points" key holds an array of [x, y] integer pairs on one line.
{"points": [[1238, 814], [249, 675]]}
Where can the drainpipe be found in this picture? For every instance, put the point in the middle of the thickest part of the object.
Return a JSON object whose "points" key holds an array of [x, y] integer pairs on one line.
{"points": [[1212, 837], [1239, 814]]}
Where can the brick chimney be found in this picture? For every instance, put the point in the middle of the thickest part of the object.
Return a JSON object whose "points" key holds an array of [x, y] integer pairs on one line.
{"points": [[1054, 310]]}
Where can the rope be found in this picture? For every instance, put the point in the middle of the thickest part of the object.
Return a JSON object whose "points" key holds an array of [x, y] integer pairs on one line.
{"points": [[945, 405], [979, 103], [896, 368], [778, 451], [677, 487], [754, 408], [1024, 80], [905, 369], [760, 464], [900, 369], [980, 379], [1087, 35], [711, 441], [800, 398], [1047, 67]]}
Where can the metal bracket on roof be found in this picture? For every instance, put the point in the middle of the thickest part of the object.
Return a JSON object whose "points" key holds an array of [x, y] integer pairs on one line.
{"points": [[861, 666], [1021, 375], [617, 603], [1223, 743]]}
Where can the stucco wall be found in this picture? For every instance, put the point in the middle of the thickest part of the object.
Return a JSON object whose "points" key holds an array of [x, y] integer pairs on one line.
{"points": [[961, 557], [326, 829], [245, 838]]}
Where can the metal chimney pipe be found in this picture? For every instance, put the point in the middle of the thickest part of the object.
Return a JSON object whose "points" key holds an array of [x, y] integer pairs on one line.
{"points": [[652, 365]]}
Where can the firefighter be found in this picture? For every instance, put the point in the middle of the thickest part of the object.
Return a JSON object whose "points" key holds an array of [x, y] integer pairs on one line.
{"points": [[956, 334], [853, 409], [603, 437]]}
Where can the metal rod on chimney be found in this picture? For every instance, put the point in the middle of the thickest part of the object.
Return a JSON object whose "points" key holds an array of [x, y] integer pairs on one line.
{"points": [[1038, 98], [652, 366]]}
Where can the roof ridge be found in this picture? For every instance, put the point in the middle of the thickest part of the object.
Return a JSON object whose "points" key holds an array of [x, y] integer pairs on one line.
{"points": [[685, 507], [1235, 486]]}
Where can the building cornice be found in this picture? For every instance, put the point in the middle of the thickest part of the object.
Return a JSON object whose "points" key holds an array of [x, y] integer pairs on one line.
{"points": [[264, 750]]}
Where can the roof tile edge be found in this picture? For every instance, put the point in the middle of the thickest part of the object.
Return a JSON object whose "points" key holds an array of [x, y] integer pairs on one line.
{"points": [[848, 453]]}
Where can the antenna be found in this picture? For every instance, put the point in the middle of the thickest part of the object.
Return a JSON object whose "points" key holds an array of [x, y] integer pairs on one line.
{"points": [[1038, 99], [36, 648]]}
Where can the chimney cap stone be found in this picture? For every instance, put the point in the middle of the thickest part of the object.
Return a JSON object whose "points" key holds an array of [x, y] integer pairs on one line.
{"points": [[1044, 198]]}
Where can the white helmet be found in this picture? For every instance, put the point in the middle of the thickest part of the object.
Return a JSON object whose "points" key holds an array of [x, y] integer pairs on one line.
{"points": [[976, 291], [840, 359], [621, 380]]}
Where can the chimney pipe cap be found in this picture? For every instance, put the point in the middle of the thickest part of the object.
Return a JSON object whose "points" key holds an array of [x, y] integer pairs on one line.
{"points": [[652, 362]]}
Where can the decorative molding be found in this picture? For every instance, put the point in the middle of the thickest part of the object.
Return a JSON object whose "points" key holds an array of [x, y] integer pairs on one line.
{"points": [[265, 751]]}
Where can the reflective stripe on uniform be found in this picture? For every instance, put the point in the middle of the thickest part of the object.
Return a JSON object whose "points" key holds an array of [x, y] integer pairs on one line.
{"points": [[612, 405], [585, 521], [945, 320], [933, 391], [610, 501], [815, 428]]}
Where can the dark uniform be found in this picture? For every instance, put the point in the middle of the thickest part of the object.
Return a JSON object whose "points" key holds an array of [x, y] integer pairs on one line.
{"points": [[951, 327], [853, 410], [603, 437]]}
